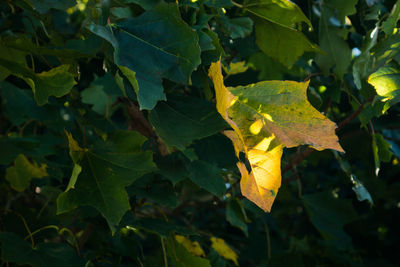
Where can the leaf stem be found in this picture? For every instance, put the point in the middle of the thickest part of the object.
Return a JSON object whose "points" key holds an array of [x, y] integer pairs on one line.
{"points": [[237, 4], [268, 240], [164, 252]]}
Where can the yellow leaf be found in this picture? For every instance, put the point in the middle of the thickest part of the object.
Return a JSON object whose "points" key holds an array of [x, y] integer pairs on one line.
{"points": [[265, 118], [236, 68], [224, 250], [193, 247]]}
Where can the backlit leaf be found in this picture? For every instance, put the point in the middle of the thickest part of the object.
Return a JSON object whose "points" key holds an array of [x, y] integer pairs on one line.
{"points": [[192, 246], [181, 257], [386, 81], [266, 117], [220, 246]]}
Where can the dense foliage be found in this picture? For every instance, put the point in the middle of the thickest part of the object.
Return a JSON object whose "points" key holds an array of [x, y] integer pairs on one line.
{"points": [[158, 132]]}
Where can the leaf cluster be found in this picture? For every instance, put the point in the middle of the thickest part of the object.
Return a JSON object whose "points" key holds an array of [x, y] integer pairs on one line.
{"points": [[159, 132]]}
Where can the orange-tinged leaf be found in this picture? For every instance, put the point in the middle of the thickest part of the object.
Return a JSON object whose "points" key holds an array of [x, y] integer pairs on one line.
{"points": [[265, 118]]}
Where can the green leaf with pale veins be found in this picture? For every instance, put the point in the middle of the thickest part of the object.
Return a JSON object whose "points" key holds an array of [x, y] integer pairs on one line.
{"points": [[20, 175], [181, 120], [207, 176], [386, 81], [105, 173], [152, 55]]}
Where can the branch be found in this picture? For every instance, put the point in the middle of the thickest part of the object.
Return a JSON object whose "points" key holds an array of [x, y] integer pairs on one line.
{"points": [[354, 115]]}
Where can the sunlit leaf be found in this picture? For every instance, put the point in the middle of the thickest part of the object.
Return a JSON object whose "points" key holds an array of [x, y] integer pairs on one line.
{"points": [[266, 117], [220, 246], [386, 81]]}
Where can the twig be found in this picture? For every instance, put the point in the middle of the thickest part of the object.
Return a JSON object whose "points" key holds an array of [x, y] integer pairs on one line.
{"points": [[164, 252], [297, 160], [354, 115]]}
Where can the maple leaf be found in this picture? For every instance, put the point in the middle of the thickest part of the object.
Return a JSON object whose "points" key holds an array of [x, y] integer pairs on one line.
{"points": [[265, 118]]}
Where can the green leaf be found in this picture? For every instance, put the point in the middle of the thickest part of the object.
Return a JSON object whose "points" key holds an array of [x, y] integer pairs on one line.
{"points": [[131, 76], [358, 187], [364, 63], [343, 8], [236, 215], [155, 190], [55, 82], [146, 4], [360, 190], [181, 120], [282, 12], [20, 175], [390, 23], [385, 155], [15, 249], [276, 40], [13, 98], [102, 94], [43, 6], [172, 166], [216, 149], [143, 45], [329, 215], [207, 176], [386, 81], [122, 12], [381, 151], [105, 173], [180, 257], [237, 27], [10, 54], [277, 24], [337, 54]]}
